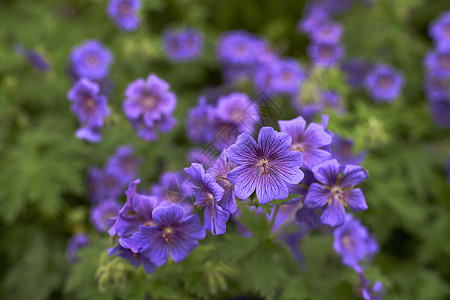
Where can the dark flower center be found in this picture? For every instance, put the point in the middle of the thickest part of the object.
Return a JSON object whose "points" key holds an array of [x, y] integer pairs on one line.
{"points": [[264, 166], [326, 51], [174, 44], [241, 48], [149, 223], [89, 105], [385, 81], [237, 115], [124, 8], [168, 235], [190, 42], [173, 196], [298, 147], [287, 76], [444, 61], [149, 102], [91, 60], [348, 242]]}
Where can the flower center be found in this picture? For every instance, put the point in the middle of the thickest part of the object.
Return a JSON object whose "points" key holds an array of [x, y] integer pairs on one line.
{"points": [[149, 103], [444, 61], [89, 105], [168, 235], [347, 242], [149, 223], [298, 147], [237, 114], [287, 76], [124, 8], [326, 51], [241, 48], [384, 81], [91, 60], [173, 196], [264, 166]]}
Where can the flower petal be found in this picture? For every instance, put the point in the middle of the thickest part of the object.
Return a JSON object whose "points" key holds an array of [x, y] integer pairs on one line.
{"points": [[191, 225], [353, 175], [294, 128], [228, 201], [317, 196], [272, 143], [355, 200], [244, 179], [182, 247], [244, 151], [334, 214], [327, 172], [270, 187], [143, 205], [216, 219], [167, 216], [315, 135]]}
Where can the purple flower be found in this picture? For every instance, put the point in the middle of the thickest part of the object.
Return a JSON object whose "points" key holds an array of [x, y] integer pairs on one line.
{"points": [[312, 19], [335, 190], [308, 216], [75, 243], [123, 164], [91, 60], [199, 122], [374, 292], [440, 110], [354, 243], [34, 58], [149, 105], [327, 33], [135, 212], [439, 30], [342, 150], [182, 45], [103, 185], [267, 166], [175, 188], [124, 13], [135, 259], [219, 169], [103, 215], [208, 194], [311, 141], [173, 233], [437, 85], [384, 83], [287, 75], [200, 156], [264, 78], [326, 55], [438, 60], [237, 47], [237, 108], [356, 71]]}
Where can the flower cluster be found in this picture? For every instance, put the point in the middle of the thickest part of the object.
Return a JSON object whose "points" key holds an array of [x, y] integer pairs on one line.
{"points": [[149, 105], [124, 13], [437, 77], [182, 45]]}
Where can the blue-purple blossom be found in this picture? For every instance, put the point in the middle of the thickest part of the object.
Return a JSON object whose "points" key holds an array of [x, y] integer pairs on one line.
{"points": [[123, 164], [124, 13], [325, 55], [103, 215], [342, 150], [356, 71], [172, 233], [287, 76], [135, 212], [91, 60], [136, 259], [103, 185], [267, 166], [237, 108], [182, 45], [370, 292], [354, 243], [34, 58], [208, 193], [327, 33], [311, 140], [264, 78], [384, 83], [219, 169], [335, 190], [75, 243], [201, 156], [174, 187], [237, 47], [314, 16], [149, 105], [199, 122], [439, 30], [438, 60]]}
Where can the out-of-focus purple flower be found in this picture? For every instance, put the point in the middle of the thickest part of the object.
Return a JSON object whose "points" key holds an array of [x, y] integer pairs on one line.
{"points": [[103, 185], [34, 58], [237, 47], [326, 55], [342, 150], [91, 60], [264, 52], [267, 166], [201, 156], [135, 259], [225, 132], [374, 292], [174, 187], [173, 233], [439, 30], [335, 190], [123, 164], [208, 194], [311, 141], [103, 215], [124, 13], [219, 169], [437, 85], [384, 83], [287, 76], [440, 110], [354, 243], [90, 108], [199, 122], [75, 243], [438, 60], [264, 78], [148, 105], [356, 71], [237, 108], [182, 45], [135, 212], [327, 33], [312, 19]]}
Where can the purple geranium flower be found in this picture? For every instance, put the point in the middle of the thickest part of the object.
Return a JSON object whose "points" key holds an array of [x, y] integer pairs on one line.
{"points": [[326, 55], [264, 77], [103, 185], [354, 243], [182, 45], [103, 215], [327, 33], [335, 190], [208, 194], [288, 75], [439, 30], [219, 169], [267, 166], [384, 83], [438, 60], [374, 292], [135, 212], [34, 58], [123, 164], [237, 108], [135, 259], [175, 188], [91, 60], [311, 141], [75, 243], [237, 47], [172, 232], [312, 19], [199, 121], [124, 13]]}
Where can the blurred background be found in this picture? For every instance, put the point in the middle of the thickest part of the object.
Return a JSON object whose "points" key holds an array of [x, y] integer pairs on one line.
{"points": [[44, 194]]}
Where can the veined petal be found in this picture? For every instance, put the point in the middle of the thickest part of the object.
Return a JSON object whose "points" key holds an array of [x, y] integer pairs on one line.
{"points": [[315, 156], [327, 172], [317, 196], [191, 225], [315, 135], [244, 179], [294, 128], [355, 200], [167, 216], [270, 187], [353, 175], [334, 214], [196, 171], [143, 206], [216, 219], [228, 201], [244, 151], [273, 144], [182, 247]]}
